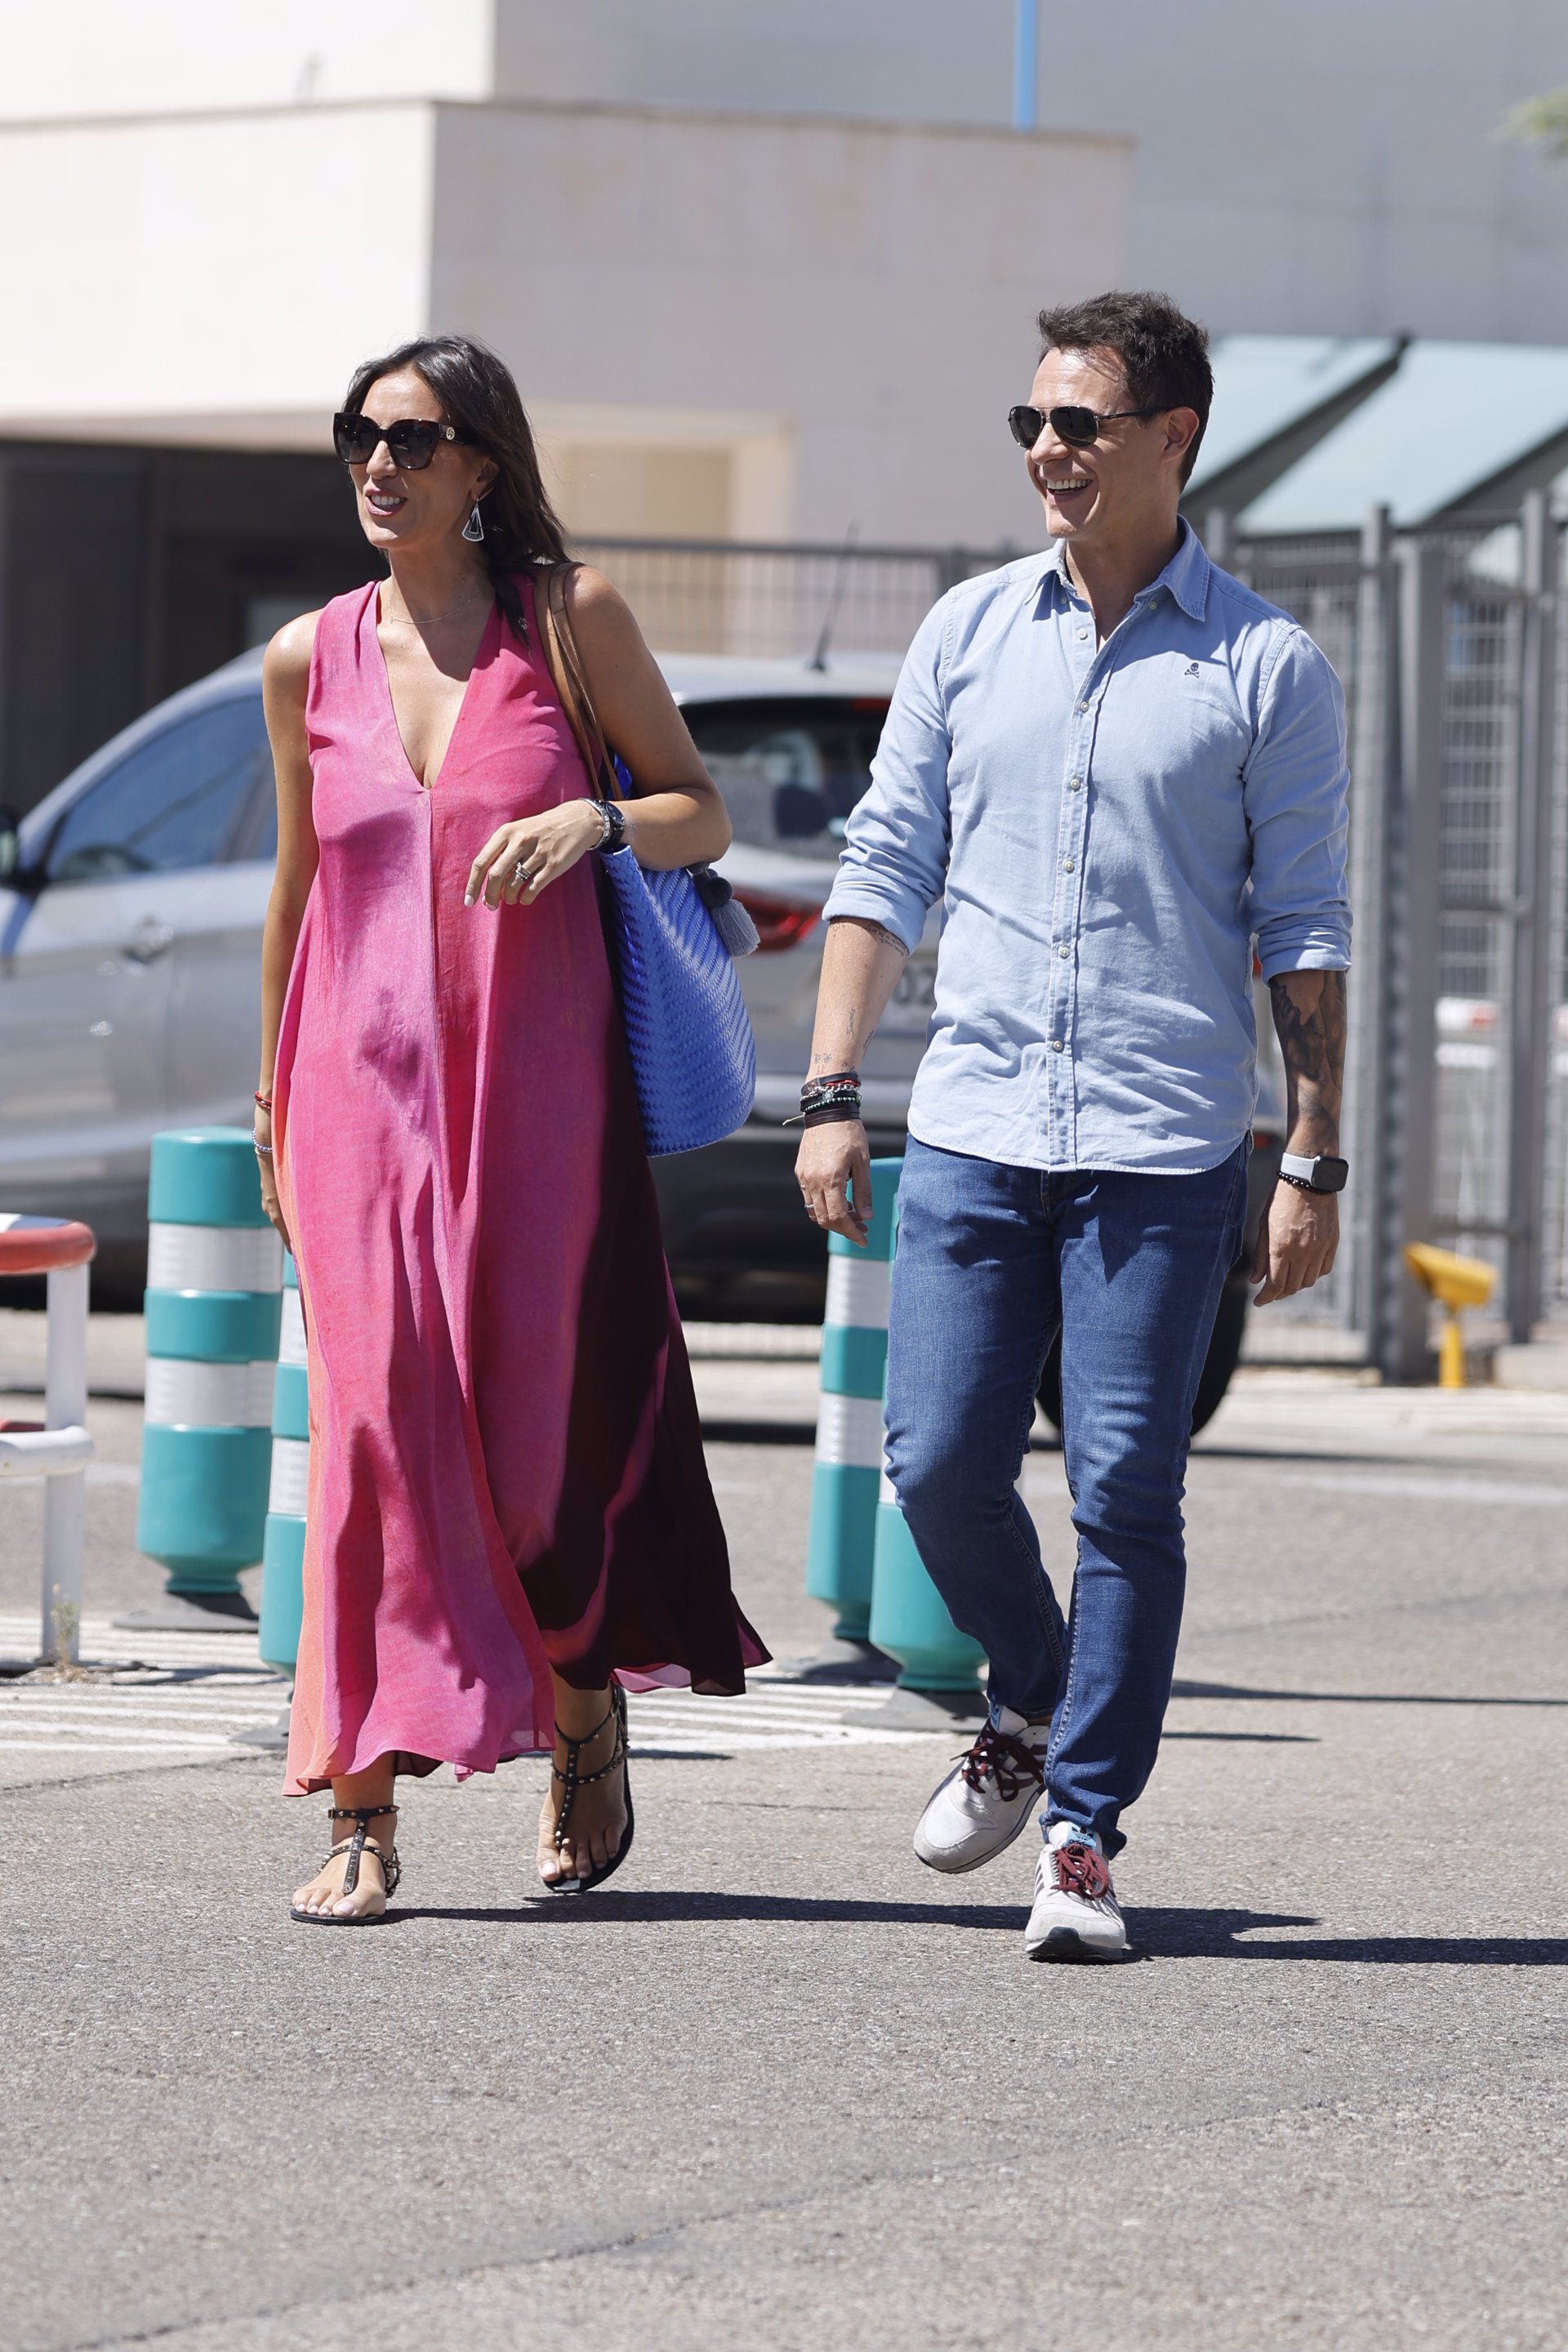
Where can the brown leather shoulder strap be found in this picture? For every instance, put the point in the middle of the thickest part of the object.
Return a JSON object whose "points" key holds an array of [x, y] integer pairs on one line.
{"points": [[565, 663]]}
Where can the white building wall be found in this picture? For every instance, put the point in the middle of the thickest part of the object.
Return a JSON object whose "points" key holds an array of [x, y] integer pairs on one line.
{"points": [[1327, 169], [889, 60], [1330, 169], [211, 278], [140, 57]]}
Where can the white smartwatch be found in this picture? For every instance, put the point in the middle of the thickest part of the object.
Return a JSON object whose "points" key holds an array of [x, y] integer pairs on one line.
{"points": [[1321, 1173]]}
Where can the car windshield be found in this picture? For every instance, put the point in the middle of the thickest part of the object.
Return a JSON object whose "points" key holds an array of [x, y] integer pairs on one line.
{"points": [[792, 768], [177, 802]]}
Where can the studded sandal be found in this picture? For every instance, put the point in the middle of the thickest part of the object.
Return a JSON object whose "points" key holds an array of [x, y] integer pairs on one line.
{"points": [[574, 1778], [354, 1847]]}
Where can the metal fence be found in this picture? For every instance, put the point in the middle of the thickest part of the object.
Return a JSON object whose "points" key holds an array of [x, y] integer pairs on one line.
{"points": [[699, 595], [1453, 650]]}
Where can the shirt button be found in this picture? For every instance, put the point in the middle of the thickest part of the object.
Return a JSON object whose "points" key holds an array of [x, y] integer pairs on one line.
{"points": [[1063, 951], [1057, 1044], [1067, 865], [1083, 706], [1075, 783], [1083, 633]]}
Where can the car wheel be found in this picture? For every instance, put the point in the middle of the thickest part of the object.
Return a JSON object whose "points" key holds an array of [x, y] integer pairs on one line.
{"points": [[1225, 1353], [1224, 1349]]}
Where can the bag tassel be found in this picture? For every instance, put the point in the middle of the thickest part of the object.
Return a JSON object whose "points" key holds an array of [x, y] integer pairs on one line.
{"points": [[730, 920]]}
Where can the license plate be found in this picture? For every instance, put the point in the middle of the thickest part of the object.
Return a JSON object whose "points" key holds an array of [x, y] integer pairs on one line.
{"points": [[910, 1006]]}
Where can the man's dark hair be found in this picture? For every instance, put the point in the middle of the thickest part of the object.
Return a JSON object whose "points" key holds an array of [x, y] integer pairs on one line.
{"points": [[1164, 354]]}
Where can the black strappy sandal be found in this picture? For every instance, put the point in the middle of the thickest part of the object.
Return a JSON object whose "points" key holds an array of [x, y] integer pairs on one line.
{"points": [[572, 1780], [354, 1847]]}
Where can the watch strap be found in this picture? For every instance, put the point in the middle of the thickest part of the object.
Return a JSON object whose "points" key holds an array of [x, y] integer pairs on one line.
{"points": [[1308, 1173]]}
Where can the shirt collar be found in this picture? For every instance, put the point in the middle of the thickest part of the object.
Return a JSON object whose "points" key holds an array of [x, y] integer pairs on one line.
{"points": [[1186, 575]]}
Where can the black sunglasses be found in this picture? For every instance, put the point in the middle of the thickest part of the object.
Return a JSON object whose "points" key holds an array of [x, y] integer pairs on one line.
{"points": [[1078, 428], [411, 443]]}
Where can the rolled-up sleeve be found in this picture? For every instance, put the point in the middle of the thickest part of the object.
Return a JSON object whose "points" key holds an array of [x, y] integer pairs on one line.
{"points": [[1296, 789], [894, 862]]}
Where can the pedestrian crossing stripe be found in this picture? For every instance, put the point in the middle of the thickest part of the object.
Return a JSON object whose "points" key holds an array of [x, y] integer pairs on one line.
{"points": [[188, 1694]]}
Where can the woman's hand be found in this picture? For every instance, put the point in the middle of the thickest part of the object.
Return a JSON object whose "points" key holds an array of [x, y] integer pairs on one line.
{"points": [[522, 859], [263, 1134]]}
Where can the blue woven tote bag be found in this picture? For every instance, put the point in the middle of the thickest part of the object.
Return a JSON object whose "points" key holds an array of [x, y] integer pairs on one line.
{"points": [[672, 938]]}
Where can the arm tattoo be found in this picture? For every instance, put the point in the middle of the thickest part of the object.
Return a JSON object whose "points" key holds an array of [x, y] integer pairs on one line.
{"points": [[842, 1051], [1309, 1018], [877, 932]]}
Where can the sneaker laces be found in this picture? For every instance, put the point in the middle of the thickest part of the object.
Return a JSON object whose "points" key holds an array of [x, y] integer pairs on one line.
{"points": [[1080, 1870], [1002, 1757]]}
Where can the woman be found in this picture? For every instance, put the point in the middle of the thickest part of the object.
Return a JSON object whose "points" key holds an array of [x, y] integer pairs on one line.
{"points": [[509, 1515]]}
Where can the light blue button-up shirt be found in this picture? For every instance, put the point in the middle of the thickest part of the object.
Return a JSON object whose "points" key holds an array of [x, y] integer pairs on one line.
{"points": [[1107, 828]]}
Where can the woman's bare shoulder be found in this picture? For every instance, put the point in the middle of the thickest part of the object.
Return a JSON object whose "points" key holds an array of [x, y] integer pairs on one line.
{"points": [[595, 605], [285, 664]]}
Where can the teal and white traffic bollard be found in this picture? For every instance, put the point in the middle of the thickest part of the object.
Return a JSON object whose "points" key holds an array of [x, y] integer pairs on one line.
{"points": [[844, 1481], [214, 1279], [283, 1554], [938, 1665]]}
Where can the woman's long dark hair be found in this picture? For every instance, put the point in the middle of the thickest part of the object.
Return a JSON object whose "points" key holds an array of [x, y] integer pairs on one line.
{"points": [[480, 397]]}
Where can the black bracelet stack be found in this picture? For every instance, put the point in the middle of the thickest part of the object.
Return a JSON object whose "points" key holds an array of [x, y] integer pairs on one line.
{"points": [[825, 1101], [612, 828]]}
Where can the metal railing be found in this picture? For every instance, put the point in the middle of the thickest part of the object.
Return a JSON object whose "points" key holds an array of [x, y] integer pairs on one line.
{"points": [[1452, 646]]}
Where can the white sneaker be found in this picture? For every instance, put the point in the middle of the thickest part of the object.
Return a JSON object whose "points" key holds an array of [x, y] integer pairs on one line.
{"points": [[985, 1800], [1076, 1914]]}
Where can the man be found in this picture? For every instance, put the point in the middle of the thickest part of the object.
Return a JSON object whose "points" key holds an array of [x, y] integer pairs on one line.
{"points": [[1116, 767]]}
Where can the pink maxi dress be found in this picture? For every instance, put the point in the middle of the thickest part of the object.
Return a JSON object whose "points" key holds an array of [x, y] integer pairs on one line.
{"points": [[506, 1463]]}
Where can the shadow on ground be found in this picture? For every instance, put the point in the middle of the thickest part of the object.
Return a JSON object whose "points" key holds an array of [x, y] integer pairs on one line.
{"points": [[1157, 1934]]}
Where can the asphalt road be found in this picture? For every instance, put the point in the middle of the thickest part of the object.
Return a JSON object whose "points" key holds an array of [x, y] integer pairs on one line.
{"points": [[779, 2086]]}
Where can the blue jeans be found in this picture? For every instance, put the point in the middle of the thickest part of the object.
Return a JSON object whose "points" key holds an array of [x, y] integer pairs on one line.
{"points": [[991, 1261]]}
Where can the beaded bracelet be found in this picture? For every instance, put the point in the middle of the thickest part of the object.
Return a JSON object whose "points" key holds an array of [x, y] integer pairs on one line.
{"points": [[827, 1099]]}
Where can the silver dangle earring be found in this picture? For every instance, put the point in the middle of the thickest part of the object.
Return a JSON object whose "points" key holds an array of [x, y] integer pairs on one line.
{"points": [[474, 529]]}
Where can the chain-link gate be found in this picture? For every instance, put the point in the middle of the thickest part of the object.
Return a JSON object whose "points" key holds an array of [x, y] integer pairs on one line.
{"points": [[1452, 646]]}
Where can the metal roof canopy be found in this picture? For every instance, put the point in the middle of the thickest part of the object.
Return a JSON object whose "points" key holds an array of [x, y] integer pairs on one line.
{"points": [[1276, 397], [1459, 429]]}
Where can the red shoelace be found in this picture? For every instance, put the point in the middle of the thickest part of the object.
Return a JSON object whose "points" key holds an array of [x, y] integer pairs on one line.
{"points": [[1008, 1761], [1080, 1870]]}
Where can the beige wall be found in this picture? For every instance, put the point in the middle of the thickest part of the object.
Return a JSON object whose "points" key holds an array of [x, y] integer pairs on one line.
{"points": [[856, 302], [647, 493]]}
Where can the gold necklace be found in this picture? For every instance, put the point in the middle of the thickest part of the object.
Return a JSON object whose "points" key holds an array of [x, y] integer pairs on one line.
{"points": [[390, 621]]}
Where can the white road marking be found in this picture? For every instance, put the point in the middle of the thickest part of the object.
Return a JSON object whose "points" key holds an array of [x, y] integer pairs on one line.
{"points": [[188, 1694]]}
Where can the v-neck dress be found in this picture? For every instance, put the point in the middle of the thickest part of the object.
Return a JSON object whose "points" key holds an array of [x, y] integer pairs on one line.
{"points": [[506, 1462]]}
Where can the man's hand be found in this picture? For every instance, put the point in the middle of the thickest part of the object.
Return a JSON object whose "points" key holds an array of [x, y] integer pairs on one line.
{"points": [[833, 1168], [1296, 1244], [860, 962]]}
